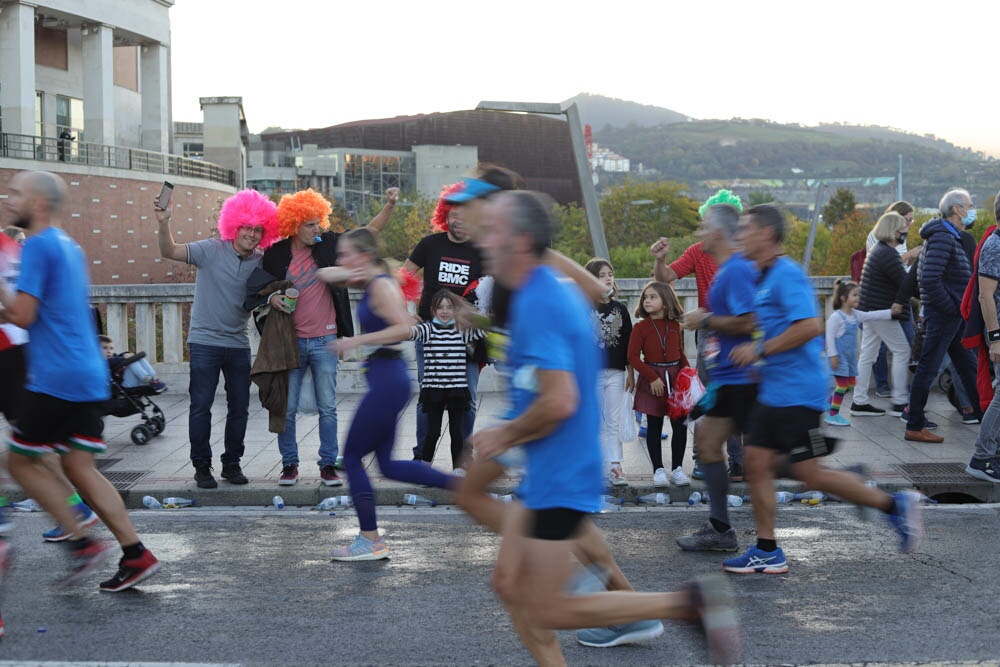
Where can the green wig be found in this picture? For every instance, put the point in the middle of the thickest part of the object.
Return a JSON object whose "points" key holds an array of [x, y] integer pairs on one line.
{"points": [[721, 197]]}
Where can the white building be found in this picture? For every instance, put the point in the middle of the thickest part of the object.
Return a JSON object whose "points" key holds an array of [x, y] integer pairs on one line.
{"points": [[98, 69]]}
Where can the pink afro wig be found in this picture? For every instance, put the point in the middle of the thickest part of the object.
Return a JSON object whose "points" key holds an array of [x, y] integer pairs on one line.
{"points": [[439, 220], [249, 208], [302, 206]]}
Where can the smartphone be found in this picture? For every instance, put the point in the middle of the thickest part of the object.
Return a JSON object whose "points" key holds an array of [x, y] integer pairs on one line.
{"points": [[163, 201]]}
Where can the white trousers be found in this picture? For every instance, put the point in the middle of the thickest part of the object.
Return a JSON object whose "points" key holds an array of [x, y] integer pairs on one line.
{"points": [[873, 335], [610, 389]]}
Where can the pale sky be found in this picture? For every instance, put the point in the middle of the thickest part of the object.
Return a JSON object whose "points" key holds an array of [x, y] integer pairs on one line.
{"points": [[917, 66]]}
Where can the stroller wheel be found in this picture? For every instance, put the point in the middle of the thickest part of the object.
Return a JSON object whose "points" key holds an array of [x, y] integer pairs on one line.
{"points": [[158, 424], [945, 381], [141, 434]]}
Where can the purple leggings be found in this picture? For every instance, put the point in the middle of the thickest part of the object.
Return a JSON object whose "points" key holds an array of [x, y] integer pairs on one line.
{"points": [[374, 430]]}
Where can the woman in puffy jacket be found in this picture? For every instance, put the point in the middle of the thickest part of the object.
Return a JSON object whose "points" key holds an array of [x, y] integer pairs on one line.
{"points": [[881, 282]]}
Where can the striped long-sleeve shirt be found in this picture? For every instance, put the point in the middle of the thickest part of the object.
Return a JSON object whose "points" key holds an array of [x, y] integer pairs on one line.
{"points": [[444, 354]]}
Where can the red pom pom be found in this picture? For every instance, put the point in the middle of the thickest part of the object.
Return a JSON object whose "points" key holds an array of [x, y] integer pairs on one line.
{"points": [[411, 284]]}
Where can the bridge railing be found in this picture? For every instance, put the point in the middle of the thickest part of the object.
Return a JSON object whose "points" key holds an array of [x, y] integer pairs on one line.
{"points": [[154, 318]]}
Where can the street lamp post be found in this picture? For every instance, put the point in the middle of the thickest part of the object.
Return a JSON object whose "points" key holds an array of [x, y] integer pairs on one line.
{"points": [[575, 126]]}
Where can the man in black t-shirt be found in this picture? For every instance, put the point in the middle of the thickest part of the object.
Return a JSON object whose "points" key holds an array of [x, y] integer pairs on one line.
{"points": [[449, 261]]}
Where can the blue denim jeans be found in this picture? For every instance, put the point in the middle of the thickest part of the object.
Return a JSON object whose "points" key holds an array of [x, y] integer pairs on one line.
{"points": [[314, 354], [207, 361], [471, 376], [942, 335]]}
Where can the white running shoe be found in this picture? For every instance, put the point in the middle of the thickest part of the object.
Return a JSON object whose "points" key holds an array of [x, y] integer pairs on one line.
{"points": [[660, 477], [616, 476], [678, 478]]}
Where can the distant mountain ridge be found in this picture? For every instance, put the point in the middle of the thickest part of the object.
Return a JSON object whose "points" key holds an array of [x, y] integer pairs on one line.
{"points": [[599, 111]]}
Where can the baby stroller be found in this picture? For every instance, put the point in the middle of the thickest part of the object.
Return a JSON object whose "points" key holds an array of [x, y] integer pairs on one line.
{"points": [[128, 401]]}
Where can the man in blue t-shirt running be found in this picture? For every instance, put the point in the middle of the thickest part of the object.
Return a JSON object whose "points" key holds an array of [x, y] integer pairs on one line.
{"points": [[67, 379], [553, 363], [791, 398], [729, 323]]}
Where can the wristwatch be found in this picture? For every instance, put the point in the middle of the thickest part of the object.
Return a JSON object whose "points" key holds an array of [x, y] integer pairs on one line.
{"points": [[993, 336]]}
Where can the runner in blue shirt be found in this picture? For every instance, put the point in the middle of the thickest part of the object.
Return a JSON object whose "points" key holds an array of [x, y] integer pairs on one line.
{"points": [[791, 399], [67, 379], [732, 389], [553, 362]]}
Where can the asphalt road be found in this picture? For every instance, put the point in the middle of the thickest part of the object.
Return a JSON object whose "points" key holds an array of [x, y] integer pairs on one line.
{"points": [[256, 587]]}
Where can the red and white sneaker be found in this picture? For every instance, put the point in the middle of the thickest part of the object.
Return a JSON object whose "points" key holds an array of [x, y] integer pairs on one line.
{"points": [[330, 477], [289, 475], [131, 572], [86, 555]]}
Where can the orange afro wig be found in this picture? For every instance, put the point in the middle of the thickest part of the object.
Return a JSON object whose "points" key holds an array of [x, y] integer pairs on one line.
{"points": [[439, 220], [248, 208], [302, 206]]}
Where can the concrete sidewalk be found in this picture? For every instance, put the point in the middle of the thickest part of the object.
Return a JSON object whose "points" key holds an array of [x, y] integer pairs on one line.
{"points": [[162, 467]]}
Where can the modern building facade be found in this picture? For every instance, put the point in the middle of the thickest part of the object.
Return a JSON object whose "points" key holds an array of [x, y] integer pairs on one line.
{"points": [[97, 69], [354, 176], [85, 93], [537, 147]]}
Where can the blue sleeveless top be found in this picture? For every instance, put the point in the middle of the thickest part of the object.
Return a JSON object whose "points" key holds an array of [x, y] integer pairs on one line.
{"points": [[367, 317]]}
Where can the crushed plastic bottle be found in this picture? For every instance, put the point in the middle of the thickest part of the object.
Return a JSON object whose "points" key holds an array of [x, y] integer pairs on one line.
{"points": [[734, 501], [653, 499], [175, 502], [784, 496], [418, 501], [278, 502], [697, 498], [152, 503]]}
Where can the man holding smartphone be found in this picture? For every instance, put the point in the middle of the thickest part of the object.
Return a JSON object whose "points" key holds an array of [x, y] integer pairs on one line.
{"points": [[217, 337]]}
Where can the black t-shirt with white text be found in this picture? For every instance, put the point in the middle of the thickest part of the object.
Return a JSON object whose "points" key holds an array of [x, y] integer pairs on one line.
{"points": [[446, 264]]}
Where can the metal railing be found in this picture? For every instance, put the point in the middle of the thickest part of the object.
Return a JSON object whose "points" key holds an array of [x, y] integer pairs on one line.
{"points": [[53, 149], [155, 322]]}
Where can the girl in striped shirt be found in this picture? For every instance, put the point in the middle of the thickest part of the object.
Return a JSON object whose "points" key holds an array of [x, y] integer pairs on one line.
{"points": [[444, 386]]}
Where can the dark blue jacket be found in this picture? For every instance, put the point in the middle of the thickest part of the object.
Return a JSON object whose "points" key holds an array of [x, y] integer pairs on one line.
{"points": [[944, 268]]}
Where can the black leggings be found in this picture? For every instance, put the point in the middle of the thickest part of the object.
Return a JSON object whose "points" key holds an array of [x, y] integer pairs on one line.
{"points": [[678, 441], [456, 415]]}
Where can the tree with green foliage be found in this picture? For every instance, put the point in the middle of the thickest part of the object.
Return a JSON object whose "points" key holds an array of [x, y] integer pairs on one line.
{"points": [[759, 197], [847, 238], [795, 242], [641, 211], [841, 205]]}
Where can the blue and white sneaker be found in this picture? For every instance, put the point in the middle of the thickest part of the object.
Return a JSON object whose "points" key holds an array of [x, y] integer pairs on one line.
{"points": [[6, 525], [756, 560], [362, 549], [908, 520], [593, 579], [836, 420], [87, 519], [617, 635]]}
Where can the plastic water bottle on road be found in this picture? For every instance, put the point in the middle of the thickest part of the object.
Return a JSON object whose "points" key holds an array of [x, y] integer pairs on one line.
{"points": [[734, 501], [653, 499], [334, 502], [784, 496], [278, 502], [418, 501], [152, 503], [174, 502], [611, 504], [696, 498]]}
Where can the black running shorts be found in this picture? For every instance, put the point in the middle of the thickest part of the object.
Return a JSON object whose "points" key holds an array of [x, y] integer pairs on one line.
{"points": [[557, 523], [50, 424]]}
